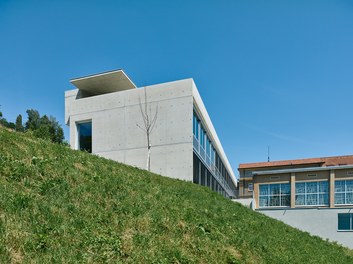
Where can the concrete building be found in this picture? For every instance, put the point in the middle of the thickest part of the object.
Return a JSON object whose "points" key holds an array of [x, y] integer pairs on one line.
{"points": [[314, 195], [105, 118]]}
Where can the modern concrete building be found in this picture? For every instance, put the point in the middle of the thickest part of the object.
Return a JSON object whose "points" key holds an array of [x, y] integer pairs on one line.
{"points": [[105, 116], [314, 195]]}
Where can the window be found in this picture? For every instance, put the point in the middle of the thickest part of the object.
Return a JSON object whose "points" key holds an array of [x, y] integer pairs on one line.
{"points": [[250, 187], [85, 136], [345, 222], [208, 145], [196, 126], [274, 195], [344, 192], [312, 193], [202, 137]]}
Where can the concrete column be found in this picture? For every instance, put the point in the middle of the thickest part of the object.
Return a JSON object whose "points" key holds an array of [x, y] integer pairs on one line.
{"points": [[292, 190], [332, 189]]}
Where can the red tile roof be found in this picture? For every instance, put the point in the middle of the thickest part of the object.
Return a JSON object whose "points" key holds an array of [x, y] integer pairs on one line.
{"points": [[322, 162]]}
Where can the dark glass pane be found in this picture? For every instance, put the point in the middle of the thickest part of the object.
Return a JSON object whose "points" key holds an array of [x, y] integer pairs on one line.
{"points": [[311, 199], [323, 186], [196, 170], [300, 199], [203, 176], [339, 198], [339, 186], [264, 189], [285, 200], [344, 222], [349, 198], [311, 187], [85, 136], [349, 186], [274, 189], [263, 201], [285, 188], [323, 199], [300, 187], [274, 200]]}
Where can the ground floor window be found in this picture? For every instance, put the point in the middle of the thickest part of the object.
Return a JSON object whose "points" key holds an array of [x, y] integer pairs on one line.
{"points": [[312, 193], [84, 131], [274, 194], [345, 222], [344, 192]]}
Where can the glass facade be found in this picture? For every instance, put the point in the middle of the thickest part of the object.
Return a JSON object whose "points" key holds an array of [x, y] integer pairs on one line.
{"points": [[312, 193], [307, 193], [217, 177], [344, 192], [274, 195]]}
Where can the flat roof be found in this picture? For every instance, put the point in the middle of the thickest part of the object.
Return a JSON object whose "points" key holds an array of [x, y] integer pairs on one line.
{"points": [[103, 83]]}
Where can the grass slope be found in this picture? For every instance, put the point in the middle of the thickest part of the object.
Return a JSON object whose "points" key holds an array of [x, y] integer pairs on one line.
{"points": [[63, 206]]}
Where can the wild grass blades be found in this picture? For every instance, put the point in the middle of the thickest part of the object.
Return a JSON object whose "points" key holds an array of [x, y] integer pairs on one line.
{"points": [[63, 206]]}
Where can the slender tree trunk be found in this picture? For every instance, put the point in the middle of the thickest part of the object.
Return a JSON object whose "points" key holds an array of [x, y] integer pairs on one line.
{"points": [[148, 153], [148, 121]]}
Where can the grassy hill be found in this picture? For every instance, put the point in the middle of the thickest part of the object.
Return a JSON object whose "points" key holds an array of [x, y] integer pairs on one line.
{"points": [[63, 206]]}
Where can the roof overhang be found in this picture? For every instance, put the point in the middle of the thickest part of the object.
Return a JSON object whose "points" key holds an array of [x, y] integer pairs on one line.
{"points": [[103, 83], [266, 172]]}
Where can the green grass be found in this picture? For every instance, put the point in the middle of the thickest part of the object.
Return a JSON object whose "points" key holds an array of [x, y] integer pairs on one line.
{"points": [[63, 206]]}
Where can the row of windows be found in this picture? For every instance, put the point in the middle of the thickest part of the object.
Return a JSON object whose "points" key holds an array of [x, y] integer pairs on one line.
{"points": [[306, 193], [201, 135], [312, 193], [274, 195], [202, 176], [208, 153]]}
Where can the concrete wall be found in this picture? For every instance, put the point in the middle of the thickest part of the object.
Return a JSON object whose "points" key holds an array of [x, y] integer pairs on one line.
{"points": [[115, 134], [321, 222]]}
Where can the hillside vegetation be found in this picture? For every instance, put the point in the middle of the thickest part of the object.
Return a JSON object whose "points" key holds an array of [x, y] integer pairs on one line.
{"points": [[63, 206]]}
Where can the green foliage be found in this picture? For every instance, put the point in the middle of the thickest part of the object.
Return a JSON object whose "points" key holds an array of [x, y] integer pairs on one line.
{"points": [[34, 120], [63, 206], [42, 127], [18, 125], [5, 123]]}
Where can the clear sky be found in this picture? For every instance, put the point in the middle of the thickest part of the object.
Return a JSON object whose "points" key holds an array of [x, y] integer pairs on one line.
{"points": [[271, 73]]}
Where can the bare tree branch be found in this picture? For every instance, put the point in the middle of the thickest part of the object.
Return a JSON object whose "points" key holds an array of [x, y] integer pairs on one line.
{"points": [[149, 123]]}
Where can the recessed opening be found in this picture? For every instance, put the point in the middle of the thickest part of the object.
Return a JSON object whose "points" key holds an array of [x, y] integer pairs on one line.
{"points": [[84, 131]]}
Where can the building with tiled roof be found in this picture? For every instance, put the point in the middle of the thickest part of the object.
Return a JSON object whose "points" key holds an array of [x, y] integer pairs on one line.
{"points": [[314, 195]]}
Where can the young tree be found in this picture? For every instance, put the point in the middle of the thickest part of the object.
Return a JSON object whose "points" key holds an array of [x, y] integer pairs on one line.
{"points": [[18, 125], [33, 121], [149, 122]]}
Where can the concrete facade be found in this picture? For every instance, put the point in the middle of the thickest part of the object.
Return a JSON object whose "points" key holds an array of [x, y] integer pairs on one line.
{"points": [[320, 222], [115, 114]]}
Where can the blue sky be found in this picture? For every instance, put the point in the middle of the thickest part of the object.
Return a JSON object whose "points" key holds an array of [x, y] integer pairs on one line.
{"points": [[271, 73]]}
